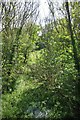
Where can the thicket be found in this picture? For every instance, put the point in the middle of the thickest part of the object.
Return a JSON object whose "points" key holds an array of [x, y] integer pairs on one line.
{"points": [[40, 64]]}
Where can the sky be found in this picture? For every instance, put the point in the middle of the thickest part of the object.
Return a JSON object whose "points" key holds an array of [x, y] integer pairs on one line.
{"points": [[43, 8], [44, 11]]}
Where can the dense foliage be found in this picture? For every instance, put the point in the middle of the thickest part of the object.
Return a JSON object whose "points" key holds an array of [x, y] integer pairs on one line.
{"points": [[40, 64]]}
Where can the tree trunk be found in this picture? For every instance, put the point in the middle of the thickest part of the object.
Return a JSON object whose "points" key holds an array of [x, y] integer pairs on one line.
{"points": [[77, 65]]}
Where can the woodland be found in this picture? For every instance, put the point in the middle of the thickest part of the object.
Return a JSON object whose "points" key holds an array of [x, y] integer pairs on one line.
{"points": [[40, 63]]}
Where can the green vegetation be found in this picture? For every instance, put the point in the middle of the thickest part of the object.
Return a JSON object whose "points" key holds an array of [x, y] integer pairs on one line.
{"points": [[40, 65]]}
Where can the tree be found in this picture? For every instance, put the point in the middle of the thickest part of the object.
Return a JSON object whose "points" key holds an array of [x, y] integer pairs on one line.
{"points": [[77, 66], [14, 17], [68, 28], [76, 58]]}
